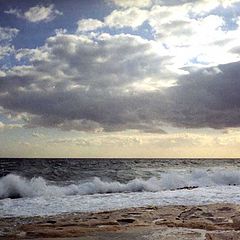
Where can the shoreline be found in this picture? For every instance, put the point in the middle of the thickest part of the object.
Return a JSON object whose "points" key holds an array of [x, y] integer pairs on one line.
{"points": [[212, 221]]}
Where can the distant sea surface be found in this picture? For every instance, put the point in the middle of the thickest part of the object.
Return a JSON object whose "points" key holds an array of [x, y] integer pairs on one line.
{"points": [[30, 187]]}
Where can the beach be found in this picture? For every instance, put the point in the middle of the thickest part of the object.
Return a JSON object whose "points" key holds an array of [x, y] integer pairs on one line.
{"points": [[213, 221], [120, 199]]}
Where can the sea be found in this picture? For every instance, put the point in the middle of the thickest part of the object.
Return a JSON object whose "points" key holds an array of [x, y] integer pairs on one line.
{"points": [[37, 187]]}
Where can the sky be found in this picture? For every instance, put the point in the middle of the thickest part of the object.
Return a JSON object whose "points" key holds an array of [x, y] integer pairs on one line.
{"points": [[120, 78]]}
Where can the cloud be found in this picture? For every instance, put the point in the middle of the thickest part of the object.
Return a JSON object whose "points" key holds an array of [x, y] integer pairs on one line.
{"points": [[176, 28], [105, 140], [75, 141], [5, 50], [172, 141], [130, 3], [198, 5], [208, 100], [38, 135], [188, 76], [191, 31], [6, 36], [65, 125], [62, 89], [38, 13], [89, 24], [163, 12], [4, 126], [131, 17]]}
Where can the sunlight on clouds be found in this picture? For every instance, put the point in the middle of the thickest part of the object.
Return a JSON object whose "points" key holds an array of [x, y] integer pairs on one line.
{"points": [[41, 13], [204, 6], [130, 3], [132, 17], [228, 3], [133, 144], [4, 126], [150, 85], [185, 29], [36, 14], [89, 25]]}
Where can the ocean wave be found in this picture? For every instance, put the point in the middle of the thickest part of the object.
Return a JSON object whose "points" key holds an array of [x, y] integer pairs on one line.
{"points": [[14, 186]]}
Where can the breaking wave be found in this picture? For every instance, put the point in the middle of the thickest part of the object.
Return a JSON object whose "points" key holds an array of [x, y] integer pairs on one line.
{"points": [[14, 186]]}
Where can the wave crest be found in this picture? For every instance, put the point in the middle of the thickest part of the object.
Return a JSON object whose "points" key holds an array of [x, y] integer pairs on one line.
{"points": [[14, 186]]}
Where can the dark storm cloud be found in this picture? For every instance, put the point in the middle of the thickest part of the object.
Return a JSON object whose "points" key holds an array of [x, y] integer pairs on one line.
{"points": [[208, 98], [77, 83], [74, 82]]}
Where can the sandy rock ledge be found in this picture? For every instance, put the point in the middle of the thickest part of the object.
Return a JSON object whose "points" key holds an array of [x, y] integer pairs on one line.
{"points": [[210, 222]]}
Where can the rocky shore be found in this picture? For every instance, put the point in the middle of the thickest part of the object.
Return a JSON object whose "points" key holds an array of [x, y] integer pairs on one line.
{"points": [[210, 222]]}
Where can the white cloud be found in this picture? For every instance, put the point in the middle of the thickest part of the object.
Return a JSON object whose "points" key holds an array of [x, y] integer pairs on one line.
{"points": [[31, 54], [191, 35], [85, 25], [131, 17], [38, 135], [104, 140], [205, 6], [14, 11], [174, 27], [171, 141], [131, 3], [37, 13], [7, 34], [192, 40], [4, 126], [6, 50], [199, 5]]}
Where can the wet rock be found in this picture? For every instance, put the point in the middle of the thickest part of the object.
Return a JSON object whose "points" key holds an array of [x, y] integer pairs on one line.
{"points": [[236, 222], [135, 213], [217, 221], [125, 221], [223, 236], [190, 213], [113, 223], [225, 209], [207, 214], [51, 221], [21, 234], [159, 221]]}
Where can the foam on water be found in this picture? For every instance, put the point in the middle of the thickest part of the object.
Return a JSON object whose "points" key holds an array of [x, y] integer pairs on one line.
{"points": [[14, 186], [45, 205], [37, 196]]}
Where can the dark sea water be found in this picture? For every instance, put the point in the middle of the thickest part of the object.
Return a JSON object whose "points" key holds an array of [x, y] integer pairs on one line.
{"points": [[52, 186], [123, 170]]}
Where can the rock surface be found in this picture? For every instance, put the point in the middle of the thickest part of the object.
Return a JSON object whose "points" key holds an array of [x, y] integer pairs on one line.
{"points": [[210, 222]]}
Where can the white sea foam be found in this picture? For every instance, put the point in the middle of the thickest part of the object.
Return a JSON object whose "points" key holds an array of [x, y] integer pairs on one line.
{"points": [[14, 186], [45, 205]]}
